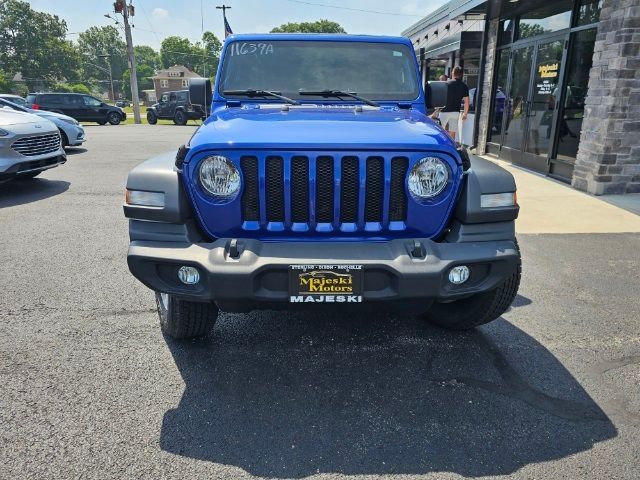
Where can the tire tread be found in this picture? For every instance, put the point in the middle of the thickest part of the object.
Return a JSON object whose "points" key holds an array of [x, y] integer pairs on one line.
{"points": [[491, 305], [186, 319]]}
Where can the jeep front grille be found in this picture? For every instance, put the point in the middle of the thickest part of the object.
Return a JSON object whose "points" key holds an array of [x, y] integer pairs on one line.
{"points": [[326, 193], [37, 144]]}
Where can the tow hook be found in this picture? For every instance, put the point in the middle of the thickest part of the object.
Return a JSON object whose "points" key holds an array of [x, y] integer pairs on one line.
{"points": [[418, 250], [235, 249]]}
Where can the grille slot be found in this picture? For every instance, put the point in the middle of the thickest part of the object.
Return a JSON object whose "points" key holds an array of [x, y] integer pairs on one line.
{"points": [[398, 195], [37, 145], [374, 190], [299, 189], [349, 190], [250, 199], [300, 193], [275, 189], [324, 189]]}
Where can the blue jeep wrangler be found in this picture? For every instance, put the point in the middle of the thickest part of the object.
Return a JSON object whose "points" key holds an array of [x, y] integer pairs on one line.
{"points": [[318, 180]]}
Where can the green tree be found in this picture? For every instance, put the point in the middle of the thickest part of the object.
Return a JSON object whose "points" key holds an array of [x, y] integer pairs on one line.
{"points": [[321, 26], [146, 55], [71, 88], [209, 50], [201, 57], [6, 85], [176, 50], [97, 41], [144, 74], [530, 30], [34, 44]]}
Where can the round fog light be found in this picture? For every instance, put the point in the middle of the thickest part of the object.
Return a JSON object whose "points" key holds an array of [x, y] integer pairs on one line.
{"points": [[459, 274], [189, 275]]}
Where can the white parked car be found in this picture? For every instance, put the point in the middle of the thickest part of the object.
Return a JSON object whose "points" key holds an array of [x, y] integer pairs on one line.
{"points": [[71, 132], [28, 145]]}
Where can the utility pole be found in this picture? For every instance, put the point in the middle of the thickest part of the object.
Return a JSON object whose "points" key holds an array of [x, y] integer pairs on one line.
{"points": [[135, 100], [113, 95], [224, 9]]}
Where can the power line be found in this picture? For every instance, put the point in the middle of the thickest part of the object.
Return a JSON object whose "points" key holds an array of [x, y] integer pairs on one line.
{"points": [[144, 10], [355, 9]]}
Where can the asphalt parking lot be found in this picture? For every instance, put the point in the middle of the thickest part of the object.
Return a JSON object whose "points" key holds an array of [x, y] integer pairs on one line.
{"points": [[89, 388]]}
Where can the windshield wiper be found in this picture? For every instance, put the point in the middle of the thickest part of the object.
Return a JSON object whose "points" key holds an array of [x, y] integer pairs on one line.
{"points": [[339, 93], [261, 93]]}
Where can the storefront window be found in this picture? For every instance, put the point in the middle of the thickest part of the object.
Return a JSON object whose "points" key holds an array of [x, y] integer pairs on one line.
{"points": [[588, 12], [572, 112], [552, 17], [499, 98], [436, 68], [545, 94], [505, 35]]}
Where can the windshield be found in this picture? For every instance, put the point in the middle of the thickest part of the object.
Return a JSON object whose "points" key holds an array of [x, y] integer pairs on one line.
{"points": [[16, 100], [11, 105], [377, 71]]}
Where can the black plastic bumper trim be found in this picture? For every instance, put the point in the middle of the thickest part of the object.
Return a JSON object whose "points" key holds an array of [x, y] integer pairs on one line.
{"points": [[260, 271]]}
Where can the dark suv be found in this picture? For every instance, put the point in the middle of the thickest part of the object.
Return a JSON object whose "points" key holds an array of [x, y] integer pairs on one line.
{"points": [[174, 106], [83, 108]]}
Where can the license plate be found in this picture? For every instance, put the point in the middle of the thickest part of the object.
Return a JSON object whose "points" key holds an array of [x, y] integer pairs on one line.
{"points": [[325, 283]]}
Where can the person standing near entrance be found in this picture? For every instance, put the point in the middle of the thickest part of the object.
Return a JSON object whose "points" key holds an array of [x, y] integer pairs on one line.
{"points": [[458, 95]]}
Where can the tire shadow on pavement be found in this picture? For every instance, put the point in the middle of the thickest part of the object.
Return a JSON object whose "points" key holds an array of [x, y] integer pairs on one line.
{"points": [[19, 192], [293, 395]]}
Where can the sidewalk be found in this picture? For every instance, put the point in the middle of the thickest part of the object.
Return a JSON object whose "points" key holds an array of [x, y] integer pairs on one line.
{"points": [[550, 206]]}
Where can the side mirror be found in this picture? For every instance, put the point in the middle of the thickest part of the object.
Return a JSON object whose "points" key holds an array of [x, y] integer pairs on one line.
{"points": [[200, 92], [436, 94]]}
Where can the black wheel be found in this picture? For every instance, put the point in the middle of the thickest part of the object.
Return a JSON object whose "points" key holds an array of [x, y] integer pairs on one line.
{"points": [[180, 118], [64, 139], [114, 118], [182, 319], [152, 119], [477, 310], [102, 122]]}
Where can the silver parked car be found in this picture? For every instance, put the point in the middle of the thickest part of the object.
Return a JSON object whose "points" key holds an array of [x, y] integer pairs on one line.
{"points": [[17, 99], [71, 132], [28, 145]]}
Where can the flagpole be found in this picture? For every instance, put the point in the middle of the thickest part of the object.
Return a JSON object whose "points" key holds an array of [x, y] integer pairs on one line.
{"points": [[224, 8]]}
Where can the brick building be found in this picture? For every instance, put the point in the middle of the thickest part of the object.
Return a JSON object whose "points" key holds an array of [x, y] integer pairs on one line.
{"points": [[172, 79], [558, 90]]}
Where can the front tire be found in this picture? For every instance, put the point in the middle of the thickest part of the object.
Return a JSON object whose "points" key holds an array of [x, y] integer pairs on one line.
{"points": [[152, 119], [180, 118], [477, 310], [114, 118], [63, 139], [181, 319]]}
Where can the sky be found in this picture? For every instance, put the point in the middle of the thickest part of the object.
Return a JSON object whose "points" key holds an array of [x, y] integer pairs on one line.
{"points": [[157, 19]]}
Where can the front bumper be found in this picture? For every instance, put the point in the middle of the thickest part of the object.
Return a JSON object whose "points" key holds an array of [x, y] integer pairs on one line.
{"points": [[393, 270]]}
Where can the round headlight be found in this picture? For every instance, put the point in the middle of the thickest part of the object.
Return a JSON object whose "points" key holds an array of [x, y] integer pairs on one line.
{"points": [[219, 176], [428, 177]]}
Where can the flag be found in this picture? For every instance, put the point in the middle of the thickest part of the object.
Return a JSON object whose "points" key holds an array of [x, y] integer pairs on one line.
{"points": [[227, 28]]}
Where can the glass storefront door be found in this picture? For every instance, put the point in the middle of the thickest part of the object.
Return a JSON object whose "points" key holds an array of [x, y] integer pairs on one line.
{"points": [[530, 106], [544, 58], [544, 95], [517, 103]]}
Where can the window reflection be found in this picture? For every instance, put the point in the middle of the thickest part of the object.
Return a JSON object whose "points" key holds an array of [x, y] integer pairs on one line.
{"points": [[550, 18], [572, 112], [497, 112], [588, 12]]}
